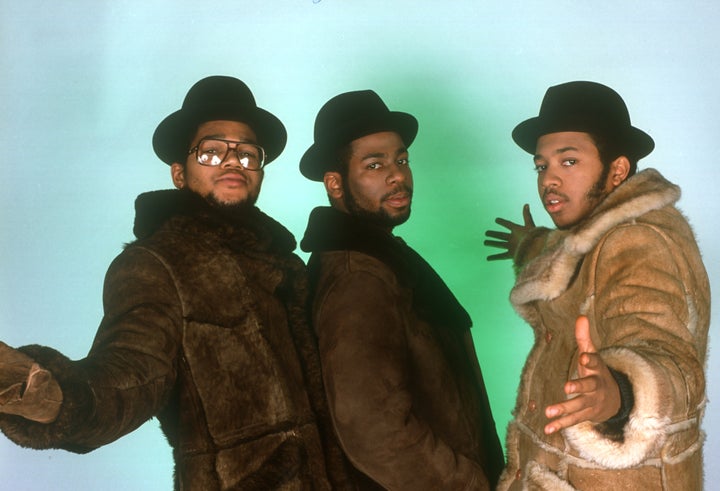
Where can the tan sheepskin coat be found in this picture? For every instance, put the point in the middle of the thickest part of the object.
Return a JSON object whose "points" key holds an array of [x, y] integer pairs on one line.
{"points": [[634, 268]]}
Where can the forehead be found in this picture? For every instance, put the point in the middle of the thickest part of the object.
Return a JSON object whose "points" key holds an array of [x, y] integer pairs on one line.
{"points": [[383, 142], [231, 130], [553, 143]]}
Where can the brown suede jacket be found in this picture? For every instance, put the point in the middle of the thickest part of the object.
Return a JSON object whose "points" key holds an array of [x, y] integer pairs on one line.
{"points": [[205, 328], [404, 385], [634, 269]]}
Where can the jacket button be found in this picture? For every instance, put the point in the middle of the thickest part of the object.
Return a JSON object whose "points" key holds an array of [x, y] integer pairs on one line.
{"points": [[548, 336], [532, 405]]}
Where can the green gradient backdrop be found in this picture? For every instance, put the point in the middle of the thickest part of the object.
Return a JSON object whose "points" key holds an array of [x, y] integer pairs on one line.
{"points": [[83, 85]]}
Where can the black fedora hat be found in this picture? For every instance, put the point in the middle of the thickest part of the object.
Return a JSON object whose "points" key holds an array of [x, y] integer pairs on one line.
{"points": [[588, 107], [347, 117], [217, 98]]}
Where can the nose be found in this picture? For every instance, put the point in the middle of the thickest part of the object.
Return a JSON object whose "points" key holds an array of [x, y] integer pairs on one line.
{"points": [[232, 158], [549, 178], [398, 173]]}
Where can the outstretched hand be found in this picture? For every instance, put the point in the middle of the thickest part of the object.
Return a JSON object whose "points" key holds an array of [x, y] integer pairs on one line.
{"points": [[26, 389], [597, 395], [509, 240]]}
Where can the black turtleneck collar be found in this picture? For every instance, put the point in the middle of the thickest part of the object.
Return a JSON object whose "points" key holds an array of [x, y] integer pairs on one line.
{"points": [[154, 208], [332, 230]]}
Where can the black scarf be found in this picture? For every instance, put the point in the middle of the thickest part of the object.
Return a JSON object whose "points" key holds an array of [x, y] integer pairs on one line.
{"points": [[332, 230]]}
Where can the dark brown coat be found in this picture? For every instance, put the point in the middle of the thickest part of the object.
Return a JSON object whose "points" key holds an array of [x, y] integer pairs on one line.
{"points": [[403, 382], [205, 328]]}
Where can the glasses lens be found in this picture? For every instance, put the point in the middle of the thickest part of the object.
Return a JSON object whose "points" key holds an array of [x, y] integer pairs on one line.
{"points": [[211, 152], [250, 156], [214, 152]]}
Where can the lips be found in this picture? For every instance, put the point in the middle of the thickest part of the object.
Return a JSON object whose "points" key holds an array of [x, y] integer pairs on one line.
{"points": [[554, 202], [232, 178], [398, 200]]}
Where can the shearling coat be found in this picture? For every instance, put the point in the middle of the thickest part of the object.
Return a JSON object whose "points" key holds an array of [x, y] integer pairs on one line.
{"points": [[205, 328], [404, 385], [634, 269]]}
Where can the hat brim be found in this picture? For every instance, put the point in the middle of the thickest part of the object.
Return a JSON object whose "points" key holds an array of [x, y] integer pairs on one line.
{"points": [[172, 136], [321, 156], [632, 140]]}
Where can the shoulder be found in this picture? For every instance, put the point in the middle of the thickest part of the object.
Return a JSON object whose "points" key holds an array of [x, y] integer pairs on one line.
{"points": [[347, 264]]}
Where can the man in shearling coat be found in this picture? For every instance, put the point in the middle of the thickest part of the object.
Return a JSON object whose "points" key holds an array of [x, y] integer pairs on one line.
{"points": [[404, 385], [613, 391], [205, 325]]}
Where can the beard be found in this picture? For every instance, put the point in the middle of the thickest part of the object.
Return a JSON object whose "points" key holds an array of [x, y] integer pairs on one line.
{"points": [[236, 208], [379, 217], [597, 192]]}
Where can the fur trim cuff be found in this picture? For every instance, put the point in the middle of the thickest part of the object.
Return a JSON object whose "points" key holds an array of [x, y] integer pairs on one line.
{"points": [[646, 429]]}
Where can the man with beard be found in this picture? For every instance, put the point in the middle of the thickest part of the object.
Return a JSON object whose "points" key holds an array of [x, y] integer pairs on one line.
{"points": [[406, 394], [613, 391], [205, 324]]}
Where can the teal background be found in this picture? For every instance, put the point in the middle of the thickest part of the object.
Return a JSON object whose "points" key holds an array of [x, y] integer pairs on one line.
{"points": [[84, 83]]}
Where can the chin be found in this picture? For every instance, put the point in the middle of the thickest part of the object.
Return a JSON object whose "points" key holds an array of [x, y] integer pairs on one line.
{"points": [[231, 203]]}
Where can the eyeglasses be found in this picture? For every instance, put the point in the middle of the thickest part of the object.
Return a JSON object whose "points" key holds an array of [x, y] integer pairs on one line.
{"points": [[214, 151]]}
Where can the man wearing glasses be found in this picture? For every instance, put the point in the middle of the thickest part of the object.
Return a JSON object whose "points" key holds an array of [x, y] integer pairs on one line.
{"points": [[205, 323], [404, 385]]}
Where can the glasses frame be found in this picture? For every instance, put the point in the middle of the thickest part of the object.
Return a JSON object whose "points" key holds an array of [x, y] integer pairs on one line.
{"points": [[196, 150]]}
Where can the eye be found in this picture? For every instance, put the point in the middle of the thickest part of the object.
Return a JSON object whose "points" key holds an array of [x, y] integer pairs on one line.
{"points": [[405, 161], [540, 168], [569, 162], [373, 165]]}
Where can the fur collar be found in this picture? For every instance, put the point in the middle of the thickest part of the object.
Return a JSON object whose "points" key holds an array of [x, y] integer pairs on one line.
{"points": [[155, 208], [549, 274], [332, 230]]}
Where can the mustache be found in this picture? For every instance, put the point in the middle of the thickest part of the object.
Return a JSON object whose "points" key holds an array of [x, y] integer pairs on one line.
{"points": [[403, 188], [552, 191]]}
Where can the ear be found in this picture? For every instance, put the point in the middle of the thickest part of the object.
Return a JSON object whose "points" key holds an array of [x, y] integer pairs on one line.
{"points": [[177, 172], [333, 184], [619, 170]]}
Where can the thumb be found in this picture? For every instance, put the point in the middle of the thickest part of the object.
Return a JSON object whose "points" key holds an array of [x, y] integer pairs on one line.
{"points": [[527, 216], [582, 335]]}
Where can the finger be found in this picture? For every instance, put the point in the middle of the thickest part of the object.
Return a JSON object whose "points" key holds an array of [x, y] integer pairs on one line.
{"points": [[567, 407], [498, 257], [581, 385], [506, 223], [495, 234], [496, 243], [527, 216], [582, 335], [567, 421], [591, 361]]}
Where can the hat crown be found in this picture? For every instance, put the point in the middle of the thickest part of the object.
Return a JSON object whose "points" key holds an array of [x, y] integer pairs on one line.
{"points": [[219, 90], [346, 110], [587, 107], [585, 104]]}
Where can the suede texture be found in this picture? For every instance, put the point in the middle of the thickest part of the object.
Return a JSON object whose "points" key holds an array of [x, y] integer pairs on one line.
{"points": [[634, 268], [404, 385], [206, 328]]}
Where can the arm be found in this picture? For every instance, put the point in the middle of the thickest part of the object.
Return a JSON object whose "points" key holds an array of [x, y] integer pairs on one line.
{"points": [[646, 326], [128, 373], [367, 374], [595, 392]]}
